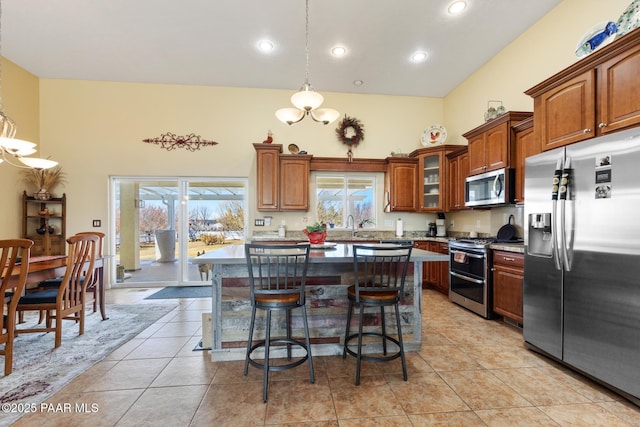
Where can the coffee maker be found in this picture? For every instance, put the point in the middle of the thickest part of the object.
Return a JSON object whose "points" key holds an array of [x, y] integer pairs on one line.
{"points": [[432, 230]]}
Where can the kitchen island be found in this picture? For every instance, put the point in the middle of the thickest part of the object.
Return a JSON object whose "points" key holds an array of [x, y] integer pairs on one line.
{"points": [[329, 275]]}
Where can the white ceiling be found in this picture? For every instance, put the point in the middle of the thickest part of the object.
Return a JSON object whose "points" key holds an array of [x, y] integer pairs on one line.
{"points": [[213, 42]]}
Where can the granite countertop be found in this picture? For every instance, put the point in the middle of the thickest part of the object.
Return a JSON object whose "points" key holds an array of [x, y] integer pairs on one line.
{"points": [[374, 235], [339, 253], [346, 236], [511, 247]]}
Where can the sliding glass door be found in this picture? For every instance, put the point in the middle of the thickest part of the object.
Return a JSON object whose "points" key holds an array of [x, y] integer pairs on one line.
{"points": [[160, 224]]}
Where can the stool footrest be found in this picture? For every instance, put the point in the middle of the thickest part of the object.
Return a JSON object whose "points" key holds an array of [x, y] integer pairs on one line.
{"points": [[284, 367], [369, 358]]}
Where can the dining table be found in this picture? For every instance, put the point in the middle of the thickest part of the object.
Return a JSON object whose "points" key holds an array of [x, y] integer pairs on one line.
{"points": [[49, 267], [330, 273]]}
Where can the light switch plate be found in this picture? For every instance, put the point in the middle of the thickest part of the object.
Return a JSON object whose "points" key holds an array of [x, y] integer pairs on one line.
{"points": [[259, 222], [97, 223]]}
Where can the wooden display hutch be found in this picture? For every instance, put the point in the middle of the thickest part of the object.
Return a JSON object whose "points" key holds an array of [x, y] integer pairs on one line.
{"points": [[44, 222], [432, 177]]}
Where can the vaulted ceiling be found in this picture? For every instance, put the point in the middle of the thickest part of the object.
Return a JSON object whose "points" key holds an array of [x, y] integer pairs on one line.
{"points": [[214, 42]]}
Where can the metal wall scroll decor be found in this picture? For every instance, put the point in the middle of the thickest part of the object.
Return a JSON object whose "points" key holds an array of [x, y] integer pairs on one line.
{"points": [[170, 141]]}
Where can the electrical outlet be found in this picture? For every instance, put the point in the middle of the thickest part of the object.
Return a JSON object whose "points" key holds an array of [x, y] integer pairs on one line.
{"points": [[478, 223], [453, 223], [388, 223]]}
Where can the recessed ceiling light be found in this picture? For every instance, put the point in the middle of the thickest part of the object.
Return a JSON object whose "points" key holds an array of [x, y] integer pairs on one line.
{"points": [[457, 7], [358, 82], [339, 51], [265, 46], [419, 56]]}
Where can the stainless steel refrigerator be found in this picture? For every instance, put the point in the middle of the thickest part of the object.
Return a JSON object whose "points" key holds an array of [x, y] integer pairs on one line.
{"points": [[582, 258]]}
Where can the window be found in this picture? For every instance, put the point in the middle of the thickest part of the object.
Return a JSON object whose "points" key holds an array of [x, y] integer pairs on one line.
{"points": [[339, 196]]}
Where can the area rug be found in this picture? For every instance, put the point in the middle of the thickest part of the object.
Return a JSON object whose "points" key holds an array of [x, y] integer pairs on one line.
{"points": [[39, 370], [171, 292]]}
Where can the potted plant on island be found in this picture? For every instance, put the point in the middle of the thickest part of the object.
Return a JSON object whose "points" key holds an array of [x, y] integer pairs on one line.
{"points": [[317, 233], [44, 180]]}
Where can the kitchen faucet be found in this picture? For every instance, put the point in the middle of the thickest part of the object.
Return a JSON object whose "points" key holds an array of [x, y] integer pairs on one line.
{"points": [[353, 225]]}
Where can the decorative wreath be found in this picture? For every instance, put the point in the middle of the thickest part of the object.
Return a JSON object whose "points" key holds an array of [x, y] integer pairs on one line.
{"points": [[350, 131]]}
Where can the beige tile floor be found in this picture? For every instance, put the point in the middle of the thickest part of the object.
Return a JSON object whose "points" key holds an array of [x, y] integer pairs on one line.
{"points": [[470, 372]]}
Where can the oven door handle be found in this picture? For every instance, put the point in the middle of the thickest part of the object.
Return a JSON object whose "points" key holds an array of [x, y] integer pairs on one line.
{"points": [[469, 254], [468, 279]]}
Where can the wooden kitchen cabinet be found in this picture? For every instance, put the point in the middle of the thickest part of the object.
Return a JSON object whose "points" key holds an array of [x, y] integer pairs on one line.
{"points": [[435, 274], [490, 144], [282, 179], [526, 145], [597, 95], [443, 267], [432, 176], [457, 172], [268, 176], [401, 179], [294, 182], [508, 276], [44, 222]]}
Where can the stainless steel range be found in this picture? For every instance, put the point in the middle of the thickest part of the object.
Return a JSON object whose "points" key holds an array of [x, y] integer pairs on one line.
{"points": [[470, 275]]}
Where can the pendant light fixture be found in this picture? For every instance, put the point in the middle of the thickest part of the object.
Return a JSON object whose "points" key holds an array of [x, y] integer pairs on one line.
{"points": [[10, 147], [307, 100]]}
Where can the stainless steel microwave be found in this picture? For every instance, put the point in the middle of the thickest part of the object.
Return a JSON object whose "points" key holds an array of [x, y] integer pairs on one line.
{"points": [[490, 188]]}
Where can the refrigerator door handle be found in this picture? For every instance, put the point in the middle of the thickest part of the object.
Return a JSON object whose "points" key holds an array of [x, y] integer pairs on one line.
{"points": [[556, 227], [565, 183]]}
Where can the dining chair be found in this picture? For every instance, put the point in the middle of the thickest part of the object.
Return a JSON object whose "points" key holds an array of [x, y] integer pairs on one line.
{"points": [[66, 302], [379, 276], [92, 285], [277, 275], [12, 252]]}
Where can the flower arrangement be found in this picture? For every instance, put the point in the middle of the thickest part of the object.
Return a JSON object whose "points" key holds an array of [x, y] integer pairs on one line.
{"points": [[44, 180]]}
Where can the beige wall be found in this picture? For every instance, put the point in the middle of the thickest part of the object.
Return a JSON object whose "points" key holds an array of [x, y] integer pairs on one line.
{"points": [[542, 51], [20, 97], [95, 129]]}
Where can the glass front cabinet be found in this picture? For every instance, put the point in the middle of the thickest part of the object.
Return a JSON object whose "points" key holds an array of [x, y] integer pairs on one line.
{"points": [[432, 177]]}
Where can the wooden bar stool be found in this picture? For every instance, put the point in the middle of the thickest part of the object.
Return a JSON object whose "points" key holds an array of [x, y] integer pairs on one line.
{"points": [[379, 275], [277, 275]]}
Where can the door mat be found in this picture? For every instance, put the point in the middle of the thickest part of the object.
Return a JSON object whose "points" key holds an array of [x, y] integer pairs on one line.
{"points": [[171, 292]]}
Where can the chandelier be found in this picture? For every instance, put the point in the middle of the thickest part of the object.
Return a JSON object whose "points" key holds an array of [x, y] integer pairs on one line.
{"points": [[10, 147], [307, 100]]}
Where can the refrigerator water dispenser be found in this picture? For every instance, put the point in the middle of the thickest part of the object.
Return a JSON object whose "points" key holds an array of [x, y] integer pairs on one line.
{"points": [[540, 236]]}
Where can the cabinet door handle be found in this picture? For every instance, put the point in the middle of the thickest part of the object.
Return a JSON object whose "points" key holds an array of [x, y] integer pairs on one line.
{"points": [[602, 125], [508, 259], [587, 130]]}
